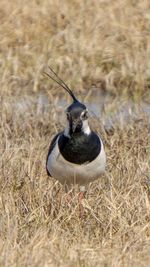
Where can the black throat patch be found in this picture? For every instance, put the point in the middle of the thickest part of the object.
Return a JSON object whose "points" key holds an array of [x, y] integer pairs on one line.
{"points": [[80, 148]]}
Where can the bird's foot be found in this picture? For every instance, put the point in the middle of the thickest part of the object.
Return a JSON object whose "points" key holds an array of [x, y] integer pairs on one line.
{"points": [[81, 196]]}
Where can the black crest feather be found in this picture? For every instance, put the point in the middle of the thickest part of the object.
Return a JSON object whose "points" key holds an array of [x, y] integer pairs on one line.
{"points": [[59, 81]]}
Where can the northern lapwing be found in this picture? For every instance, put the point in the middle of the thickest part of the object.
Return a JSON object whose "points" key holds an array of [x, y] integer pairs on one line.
{"points": [[76, 155]]}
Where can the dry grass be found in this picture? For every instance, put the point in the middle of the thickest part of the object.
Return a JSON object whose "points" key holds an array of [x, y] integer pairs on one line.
{"points": [[106, 44], [37, 229]]}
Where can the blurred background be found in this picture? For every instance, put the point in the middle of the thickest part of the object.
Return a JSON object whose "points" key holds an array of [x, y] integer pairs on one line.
{"points": [[100, 48], [100, 43]]}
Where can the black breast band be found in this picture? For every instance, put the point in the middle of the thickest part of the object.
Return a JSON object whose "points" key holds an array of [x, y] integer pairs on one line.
{"points": [[80, 148]]}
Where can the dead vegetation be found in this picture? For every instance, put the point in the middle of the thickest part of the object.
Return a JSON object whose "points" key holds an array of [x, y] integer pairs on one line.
{"points": [[37, 229], [103, 44]]}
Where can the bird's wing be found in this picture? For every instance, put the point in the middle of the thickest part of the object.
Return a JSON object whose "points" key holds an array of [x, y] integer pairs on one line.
{"points": [[52, 144]]}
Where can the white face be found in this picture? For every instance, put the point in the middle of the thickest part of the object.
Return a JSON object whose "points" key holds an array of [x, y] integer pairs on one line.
{"points": [[84, 115], [85, 127], [84, 118]]}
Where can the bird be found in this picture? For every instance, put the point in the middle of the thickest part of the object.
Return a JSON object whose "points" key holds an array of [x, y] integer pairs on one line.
{"points": [[76, 155]]}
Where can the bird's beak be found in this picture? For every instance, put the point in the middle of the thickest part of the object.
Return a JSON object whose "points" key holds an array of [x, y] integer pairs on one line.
{"points": [[76, 124]]}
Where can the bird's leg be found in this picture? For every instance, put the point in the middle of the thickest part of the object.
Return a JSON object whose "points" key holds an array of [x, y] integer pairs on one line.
{"points": [[68, 198], [81, 196]]}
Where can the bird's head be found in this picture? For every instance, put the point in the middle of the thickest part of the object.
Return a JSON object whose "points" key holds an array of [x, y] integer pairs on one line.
{"points": [[77, 118], [77, 113]]}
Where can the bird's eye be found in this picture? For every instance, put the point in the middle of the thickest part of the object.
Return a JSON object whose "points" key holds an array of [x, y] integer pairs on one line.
{"points": [[85, 115], [67, 115]]}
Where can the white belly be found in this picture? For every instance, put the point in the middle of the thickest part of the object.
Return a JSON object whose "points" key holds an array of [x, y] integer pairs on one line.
{"points": [[70, 173]]}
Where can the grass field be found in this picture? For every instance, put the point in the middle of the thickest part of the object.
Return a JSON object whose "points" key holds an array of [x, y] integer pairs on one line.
{"points": [[101, 44]]}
